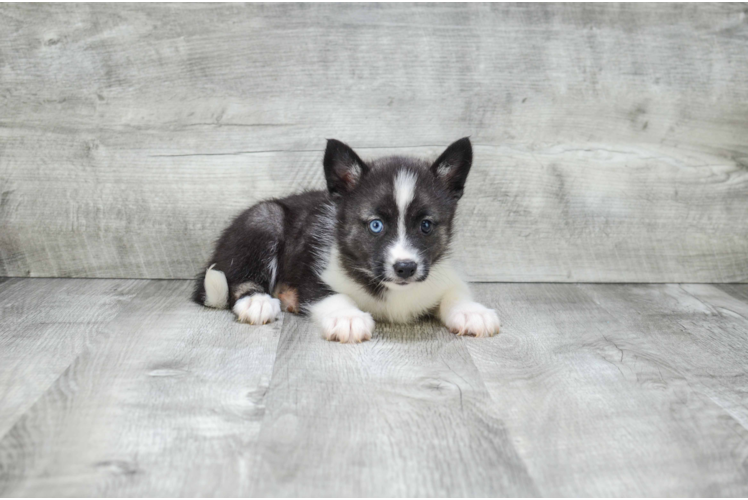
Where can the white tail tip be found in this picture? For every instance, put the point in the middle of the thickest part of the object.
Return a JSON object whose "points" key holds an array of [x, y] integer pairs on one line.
{"points": [[216, 289]]}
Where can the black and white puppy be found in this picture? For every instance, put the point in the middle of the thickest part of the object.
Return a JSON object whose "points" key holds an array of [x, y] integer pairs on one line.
{"points": [[375, 245]]}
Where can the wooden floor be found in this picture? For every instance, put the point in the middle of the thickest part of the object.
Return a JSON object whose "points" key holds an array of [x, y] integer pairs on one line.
{"points": [[125, 388]]}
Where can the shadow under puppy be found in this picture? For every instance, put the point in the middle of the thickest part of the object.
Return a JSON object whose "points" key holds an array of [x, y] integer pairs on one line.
{"points": [[375, 245]]}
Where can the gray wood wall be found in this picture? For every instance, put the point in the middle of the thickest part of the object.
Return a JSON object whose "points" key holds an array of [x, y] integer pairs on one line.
{"points": [[611, 141]]}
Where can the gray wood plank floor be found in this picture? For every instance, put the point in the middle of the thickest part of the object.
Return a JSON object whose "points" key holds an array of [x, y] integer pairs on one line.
{"points": [[125, 388]]}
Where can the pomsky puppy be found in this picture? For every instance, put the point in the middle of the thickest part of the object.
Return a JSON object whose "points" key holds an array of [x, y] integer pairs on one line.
{"points": [[375, 245]]}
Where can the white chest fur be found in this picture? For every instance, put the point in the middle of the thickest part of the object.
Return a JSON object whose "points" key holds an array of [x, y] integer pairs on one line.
{"points": [[400, 305]]}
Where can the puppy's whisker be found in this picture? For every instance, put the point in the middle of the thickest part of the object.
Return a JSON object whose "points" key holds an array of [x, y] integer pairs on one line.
{"points": [[365, 271]]}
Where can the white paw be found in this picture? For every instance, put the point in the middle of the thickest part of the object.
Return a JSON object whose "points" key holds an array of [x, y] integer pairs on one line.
{"points": [[471, 318], [257, 309], [348, 325]]}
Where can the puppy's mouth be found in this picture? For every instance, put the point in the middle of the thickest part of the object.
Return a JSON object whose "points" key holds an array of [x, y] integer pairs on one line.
{"points": [[398, 284]]}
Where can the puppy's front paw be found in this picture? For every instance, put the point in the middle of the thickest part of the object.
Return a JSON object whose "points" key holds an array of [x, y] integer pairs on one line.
{"points": [[471, 318], [257, 309], [348, 325]]}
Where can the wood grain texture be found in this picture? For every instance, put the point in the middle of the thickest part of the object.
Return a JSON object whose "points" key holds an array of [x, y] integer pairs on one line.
{"points": [[702, 332], [610, 139], [168, 402], [612, 390], [738, 291], [403, 415], [44, 325]]}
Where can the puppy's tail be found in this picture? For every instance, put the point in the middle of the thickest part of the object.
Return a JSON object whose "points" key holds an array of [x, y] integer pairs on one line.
{"points": [[216, 289]]}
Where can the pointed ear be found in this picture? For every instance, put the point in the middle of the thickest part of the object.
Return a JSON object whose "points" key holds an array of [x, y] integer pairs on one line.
{"points": [[343, 168], [452, 167]]}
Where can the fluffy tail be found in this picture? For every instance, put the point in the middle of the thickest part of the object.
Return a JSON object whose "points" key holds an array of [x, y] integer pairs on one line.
{"points": [[216, 289]]}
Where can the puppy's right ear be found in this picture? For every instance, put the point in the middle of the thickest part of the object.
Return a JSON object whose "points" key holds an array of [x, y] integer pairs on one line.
{"points": [[343, 168]]}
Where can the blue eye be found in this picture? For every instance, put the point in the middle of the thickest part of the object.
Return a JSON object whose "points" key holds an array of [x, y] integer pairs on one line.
{"points": [[426, 226], [376, 226]]}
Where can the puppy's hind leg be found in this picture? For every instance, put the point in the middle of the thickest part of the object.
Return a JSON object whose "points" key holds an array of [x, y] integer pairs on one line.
{"points": [[244, 267], [253, 305]]}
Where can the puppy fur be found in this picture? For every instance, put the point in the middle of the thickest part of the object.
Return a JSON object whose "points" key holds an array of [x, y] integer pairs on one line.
{"points": [[374, 246]]}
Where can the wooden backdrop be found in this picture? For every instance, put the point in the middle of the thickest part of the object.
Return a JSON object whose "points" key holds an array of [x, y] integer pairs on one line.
{"points": [[611, 141]]}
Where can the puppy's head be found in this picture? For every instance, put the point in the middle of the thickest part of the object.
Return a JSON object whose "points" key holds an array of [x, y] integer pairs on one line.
{"points": [[394, 215]]}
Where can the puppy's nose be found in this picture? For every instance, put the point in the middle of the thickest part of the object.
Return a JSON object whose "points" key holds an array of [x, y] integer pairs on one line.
{"points": [[405, 268]]}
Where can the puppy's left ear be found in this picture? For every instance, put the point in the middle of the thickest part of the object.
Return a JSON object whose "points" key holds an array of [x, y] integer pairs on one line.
{"points": [[343, 168], [453, 166]]}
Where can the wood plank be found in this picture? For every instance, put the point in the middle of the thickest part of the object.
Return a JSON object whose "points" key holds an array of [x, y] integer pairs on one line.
{"points": [[605, 133], [605, 395], [44, 325], [403, 415], [701, 331], [167, 403], [738, 291]]}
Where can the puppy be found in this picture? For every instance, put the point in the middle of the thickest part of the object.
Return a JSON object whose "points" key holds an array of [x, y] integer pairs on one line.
{"points": [[375, 245]]}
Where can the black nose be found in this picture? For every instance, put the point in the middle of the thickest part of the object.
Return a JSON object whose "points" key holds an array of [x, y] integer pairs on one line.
{"points": [[405, 268]]}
